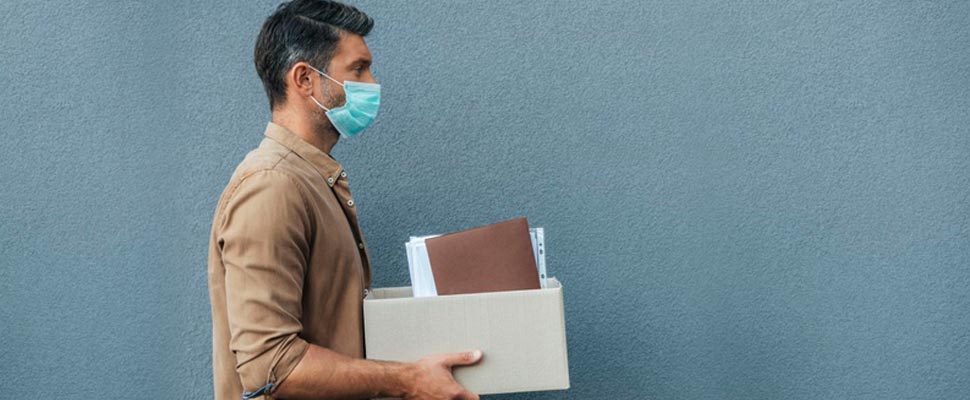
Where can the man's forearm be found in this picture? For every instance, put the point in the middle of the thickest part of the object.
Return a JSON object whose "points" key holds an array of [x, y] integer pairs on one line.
{"points": [[326, 374]]}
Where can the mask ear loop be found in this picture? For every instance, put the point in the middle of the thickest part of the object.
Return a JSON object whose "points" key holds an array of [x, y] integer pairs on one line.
{"points": [[328, 77], [318, 104]]}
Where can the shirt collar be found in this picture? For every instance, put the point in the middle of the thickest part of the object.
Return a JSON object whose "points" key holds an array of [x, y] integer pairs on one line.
{"points": [[322, 162]]}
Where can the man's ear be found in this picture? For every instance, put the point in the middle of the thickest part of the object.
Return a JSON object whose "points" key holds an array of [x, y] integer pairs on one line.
{"points": [[301, 79]]}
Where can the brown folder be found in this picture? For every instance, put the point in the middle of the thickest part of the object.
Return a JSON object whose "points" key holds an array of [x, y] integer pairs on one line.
{"points": [[489, 258]]}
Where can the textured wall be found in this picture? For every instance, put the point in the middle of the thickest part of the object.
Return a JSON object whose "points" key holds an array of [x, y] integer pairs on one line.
{"points": [[743, 201]]}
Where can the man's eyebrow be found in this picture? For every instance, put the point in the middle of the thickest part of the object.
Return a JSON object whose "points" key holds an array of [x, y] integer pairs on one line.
{"points": [[364, 62]]}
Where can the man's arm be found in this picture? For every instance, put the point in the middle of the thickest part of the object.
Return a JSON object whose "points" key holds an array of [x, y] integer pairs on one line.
{"points": [[263, 245], [326, 374]]}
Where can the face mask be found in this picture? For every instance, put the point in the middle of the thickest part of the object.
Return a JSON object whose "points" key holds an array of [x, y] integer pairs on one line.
{"points": [[360, 109]]}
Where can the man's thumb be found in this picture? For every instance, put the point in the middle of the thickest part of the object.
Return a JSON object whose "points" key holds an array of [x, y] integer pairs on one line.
{"points": [[463, 358]]}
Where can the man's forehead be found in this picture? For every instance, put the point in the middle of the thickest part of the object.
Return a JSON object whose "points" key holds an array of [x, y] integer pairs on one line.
{"points": [[351, 48]]}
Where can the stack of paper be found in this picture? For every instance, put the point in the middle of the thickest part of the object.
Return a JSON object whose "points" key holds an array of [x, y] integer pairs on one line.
{"points": [[422, 275], [422, 280]]}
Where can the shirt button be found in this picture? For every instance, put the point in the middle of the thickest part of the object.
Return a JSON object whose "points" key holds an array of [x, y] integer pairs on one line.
{"points": [[330, 180], [343, 174], [360, 245], [350, 202]]}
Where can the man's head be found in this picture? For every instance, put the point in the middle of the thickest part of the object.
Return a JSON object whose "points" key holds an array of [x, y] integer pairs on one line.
{"points": [[321, 34]]}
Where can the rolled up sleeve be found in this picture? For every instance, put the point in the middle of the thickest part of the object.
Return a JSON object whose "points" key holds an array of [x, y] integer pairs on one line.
{"points": [[265, 245]]}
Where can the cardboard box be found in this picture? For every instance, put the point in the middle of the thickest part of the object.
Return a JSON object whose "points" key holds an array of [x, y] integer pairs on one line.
{"points": [[522, 334]]}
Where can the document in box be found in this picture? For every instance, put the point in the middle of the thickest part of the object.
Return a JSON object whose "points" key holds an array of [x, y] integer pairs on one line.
{"points": [[419, 264]]}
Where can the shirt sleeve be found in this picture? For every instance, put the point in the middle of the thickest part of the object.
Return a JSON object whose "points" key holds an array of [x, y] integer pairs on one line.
{"points": [[265, 243]]}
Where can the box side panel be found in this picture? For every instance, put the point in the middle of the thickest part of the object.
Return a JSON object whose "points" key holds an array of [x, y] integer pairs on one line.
{"points": [[520, 332]]}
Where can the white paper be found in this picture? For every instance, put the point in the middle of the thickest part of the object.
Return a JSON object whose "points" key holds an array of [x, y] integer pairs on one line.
{"points": [[419, 265]]}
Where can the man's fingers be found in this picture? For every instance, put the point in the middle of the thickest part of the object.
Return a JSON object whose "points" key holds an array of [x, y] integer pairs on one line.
{"points": [[466, 395], [463, 358]]}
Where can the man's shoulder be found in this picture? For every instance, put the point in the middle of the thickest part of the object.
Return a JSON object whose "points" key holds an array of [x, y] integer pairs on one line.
{"points": [[268, 156], [271, 156], [269, 165]]}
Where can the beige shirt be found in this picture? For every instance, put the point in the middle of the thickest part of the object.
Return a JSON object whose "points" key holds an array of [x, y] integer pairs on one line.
{"points": [[288, 265]]}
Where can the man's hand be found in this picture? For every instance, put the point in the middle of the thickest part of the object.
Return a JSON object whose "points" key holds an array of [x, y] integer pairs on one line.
{"points": [[433, 380]]}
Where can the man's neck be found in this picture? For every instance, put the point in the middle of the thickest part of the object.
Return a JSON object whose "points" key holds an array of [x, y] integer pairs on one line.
{"points": [[305, 129]]}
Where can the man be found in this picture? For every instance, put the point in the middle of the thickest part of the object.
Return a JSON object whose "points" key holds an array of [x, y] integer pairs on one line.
{"points": [[288, 265]]}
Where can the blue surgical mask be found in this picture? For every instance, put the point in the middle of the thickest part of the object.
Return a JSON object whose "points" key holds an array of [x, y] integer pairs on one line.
{"points": [[360, 109]]}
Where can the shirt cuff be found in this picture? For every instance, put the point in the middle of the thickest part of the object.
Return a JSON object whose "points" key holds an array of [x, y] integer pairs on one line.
{"points": [[274, 370]]}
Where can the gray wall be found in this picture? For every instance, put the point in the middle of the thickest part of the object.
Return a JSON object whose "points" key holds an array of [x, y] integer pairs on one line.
{"points": [[743, 200]]}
